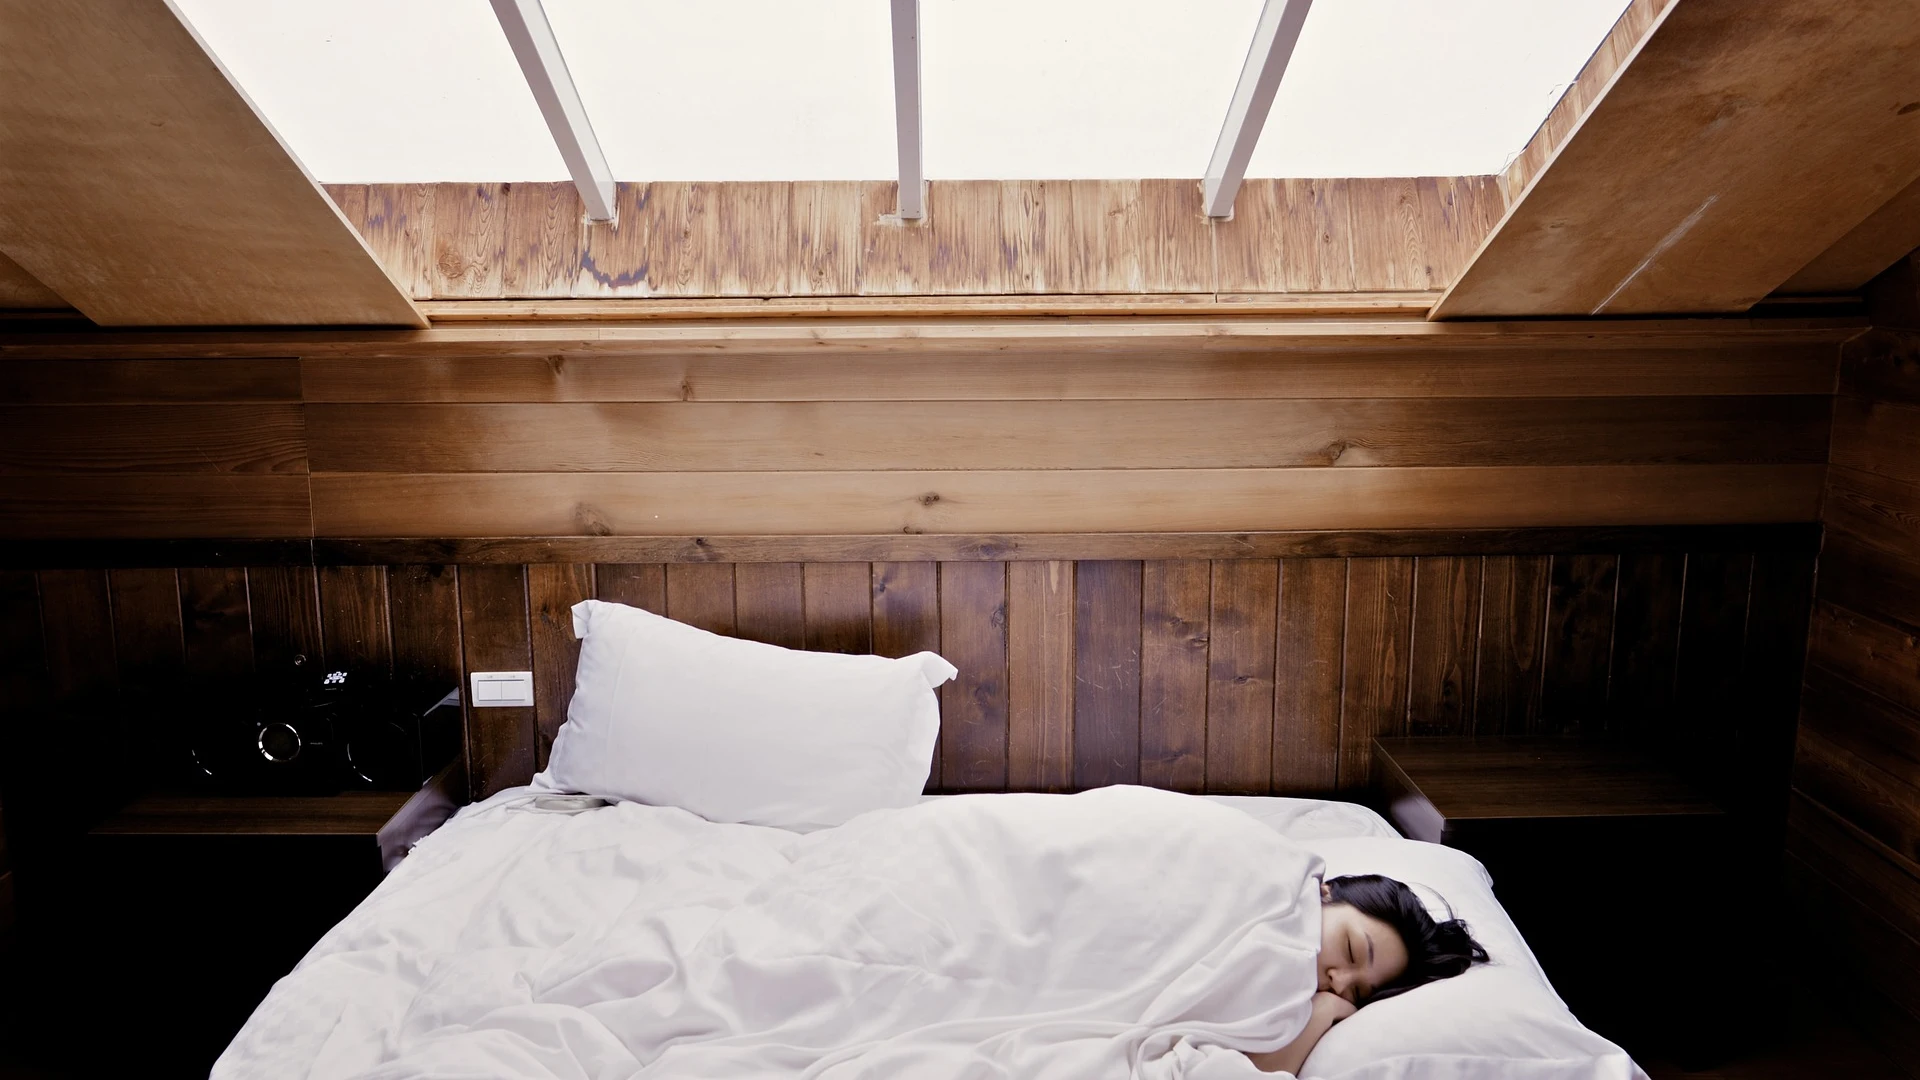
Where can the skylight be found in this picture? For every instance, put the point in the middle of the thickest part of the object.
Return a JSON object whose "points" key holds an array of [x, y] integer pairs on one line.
{"points": [[428, 90]]}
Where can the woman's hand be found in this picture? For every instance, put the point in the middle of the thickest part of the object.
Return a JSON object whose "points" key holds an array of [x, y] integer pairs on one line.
{"points": [[1328, 1010], [1332, 1007]]}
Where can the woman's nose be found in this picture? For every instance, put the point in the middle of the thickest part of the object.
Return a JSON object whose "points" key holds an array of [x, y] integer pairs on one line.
{"points": [[1339, 980]]}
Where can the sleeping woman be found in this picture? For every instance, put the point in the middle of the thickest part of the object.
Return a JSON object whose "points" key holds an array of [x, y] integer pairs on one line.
{"points": [[1376, 940]]}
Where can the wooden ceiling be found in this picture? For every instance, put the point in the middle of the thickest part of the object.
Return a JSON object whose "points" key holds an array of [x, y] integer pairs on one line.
{"points": [[139, 185], [1736, 145]]}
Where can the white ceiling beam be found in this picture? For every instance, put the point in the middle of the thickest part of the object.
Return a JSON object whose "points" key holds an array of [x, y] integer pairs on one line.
{"points": [[1273, 42], [538, 51], [906, 107]]}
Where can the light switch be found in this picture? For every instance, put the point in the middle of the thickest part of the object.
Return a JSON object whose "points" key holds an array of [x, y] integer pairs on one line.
{"points": [[502, 689]]}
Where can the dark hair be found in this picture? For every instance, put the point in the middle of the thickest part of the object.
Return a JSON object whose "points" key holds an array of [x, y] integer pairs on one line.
{"points": [[1434, 950]]}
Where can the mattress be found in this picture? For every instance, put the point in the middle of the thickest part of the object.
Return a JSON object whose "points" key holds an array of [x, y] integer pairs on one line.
{"points": [[478, 918]]}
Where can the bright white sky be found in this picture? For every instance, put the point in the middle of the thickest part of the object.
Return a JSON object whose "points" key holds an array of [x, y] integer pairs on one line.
{"points": [[425, 90]]}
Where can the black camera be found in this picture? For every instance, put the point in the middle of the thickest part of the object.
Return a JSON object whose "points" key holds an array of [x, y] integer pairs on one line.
{"points": [[320, 732]]}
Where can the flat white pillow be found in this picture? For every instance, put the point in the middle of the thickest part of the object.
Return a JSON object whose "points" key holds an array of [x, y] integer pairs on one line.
{"points": [[738, 731], [1498, 1020]]}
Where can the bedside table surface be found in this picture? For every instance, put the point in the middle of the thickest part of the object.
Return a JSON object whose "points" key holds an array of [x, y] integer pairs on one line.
{"points": [[350, 813], [1467, 779]]}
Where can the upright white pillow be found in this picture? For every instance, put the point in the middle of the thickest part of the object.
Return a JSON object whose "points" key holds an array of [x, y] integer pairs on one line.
{"points": [[739, 731]]}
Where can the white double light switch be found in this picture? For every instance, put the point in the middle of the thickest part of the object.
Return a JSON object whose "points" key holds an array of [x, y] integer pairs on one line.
{"points": [[501, 689]]}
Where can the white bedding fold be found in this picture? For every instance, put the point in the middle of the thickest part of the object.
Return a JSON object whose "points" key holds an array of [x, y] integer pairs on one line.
{"points": [[1120, 932]]}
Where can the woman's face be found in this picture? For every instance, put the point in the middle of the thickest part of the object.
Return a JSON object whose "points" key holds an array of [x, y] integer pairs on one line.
{"points": [[1358, 953]]}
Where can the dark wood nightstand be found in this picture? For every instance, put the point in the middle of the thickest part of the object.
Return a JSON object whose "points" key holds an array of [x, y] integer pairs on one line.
{"points": [[194, 904], [1624, 878]]}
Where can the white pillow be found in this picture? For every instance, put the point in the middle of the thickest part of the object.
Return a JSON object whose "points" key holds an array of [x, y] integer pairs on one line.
{"points": [[739, 731], [1497, 1020]]}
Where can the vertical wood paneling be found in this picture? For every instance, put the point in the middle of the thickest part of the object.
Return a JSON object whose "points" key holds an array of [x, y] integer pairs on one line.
{"points": [[641, 585], [1580, 600], [701, 594], [768, 604], [973, 707], [423, 605], [1773, 658], [502, 745], [906, 620], [1446, 638], [1713, 621], [1176, 598], [146, 626], [1646, 642], [77, 624], [23, 661], [215, 623], [285, 602], [353, 618], [1309, 666], [1040, 676], [552, 590], [1513, 624], [1106, 673], [839, 607], [1240, 659], [1373, 700]]}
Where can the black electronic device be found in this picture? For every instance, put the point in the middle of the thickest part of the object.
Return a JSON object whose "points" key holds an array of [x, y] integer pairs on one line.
{"points": [[308, 732]]}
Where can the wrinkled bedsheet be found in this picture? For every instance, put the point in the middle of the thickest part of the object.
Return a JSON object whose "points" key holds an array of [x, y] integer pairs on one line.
{"points": [[1122, 932]]}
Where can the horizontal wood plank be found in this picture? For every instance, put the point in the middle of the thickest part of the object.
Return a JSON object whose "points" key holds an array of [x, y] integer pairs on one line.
{"points": [[155, 506], [1051, 374], [226, 381], [571, 504], [1872, 509], [1878, 437], [1799, 537], [152, 438], [893, 436]]}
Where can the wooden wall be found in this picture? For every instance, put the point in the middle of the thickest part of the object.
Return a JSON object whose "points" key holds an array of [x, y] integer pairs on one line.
{"points": [[980, 237], [1855, 838], [848, 427], [1246, 675]]}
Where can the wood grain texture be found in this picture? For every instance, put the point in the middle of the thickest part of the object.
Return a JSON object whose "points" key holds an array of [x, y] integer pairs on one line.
{"points": [[285, 606], [1646, 642], [153, 438], [502, 743], [551, 593], [720, 437], [229, 229], [1240, 675], [1107, 674], [980, 237], [702, 596], [180, 381], [769, 605], [973, 707], [146, 626], [1309, 672], [423, 614], [1444, 658], [1176, 598], [1738, 170], [839, 607], [906, 620], [641, 585], [20, 290], [983, 501], [1581, 591], [1707, 682], [1052, 371], [354, 625], [1879, 241], [1800, 537], [1040, 676], [76, 618], [216, 623], [1374, 683], [155, 505], [1512, 645]]}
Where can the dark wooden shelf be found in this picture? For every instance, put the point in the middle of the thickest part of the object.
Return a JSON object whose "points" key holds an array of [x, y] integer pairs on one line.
{"points": [[351, 813], [1433, 785]]}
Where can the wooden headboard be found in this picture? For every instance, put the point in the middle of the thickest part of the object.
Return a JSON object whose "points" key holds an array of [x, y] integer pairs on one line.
{"points": [[1249, 663]]}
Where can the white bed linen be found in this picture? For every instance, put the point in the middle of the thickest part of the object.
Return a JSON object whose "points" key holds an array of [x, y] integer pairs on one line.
{"points": [[532, 938]]}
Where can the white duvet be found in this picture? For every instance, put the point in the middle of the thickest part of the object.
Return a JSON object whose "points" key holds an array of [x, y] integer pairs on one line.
{"points": [[1118, 933]]}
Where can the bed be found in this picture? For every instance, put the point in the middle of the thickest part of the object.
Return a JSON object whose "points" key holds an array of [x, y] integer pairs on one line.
{"points": [[571, 929]]}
